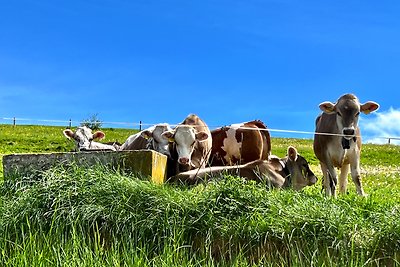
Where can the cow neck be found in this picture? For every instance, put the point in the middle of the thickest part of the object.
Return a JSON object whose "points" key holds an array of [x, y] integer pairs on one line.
{"points": [[285, 170], [346, 142], [150, 143]]}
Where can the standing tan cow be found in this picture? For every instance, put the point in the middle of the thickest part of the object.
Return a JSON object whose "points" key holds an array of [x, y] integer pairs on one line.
{"points": [[339, 142], [240, 143], [191, 144]]}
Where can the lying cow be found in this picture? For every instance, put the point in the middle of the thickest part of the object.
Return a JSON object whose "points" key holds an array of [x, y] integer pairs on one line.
{"points": [[150, 138], [191, 144], [290, 171], [84, 137], [240, 143], [339, 144]]}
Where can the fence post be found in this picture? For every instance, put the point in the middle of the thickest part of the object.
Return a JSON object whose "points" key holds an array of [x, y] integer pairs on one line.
{"points": [[389, 141], [140, 125], [70, 124], [14, 122]]}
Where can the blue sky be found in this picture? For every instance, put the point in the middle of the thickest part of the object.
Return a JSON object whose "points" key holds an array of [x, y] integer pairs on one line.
{"points": [[227, 61]]}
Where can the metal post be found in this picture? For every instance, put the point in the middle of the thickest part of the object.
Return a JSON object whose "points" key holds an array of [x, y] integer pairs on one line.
{"points": [[70, 124], [140, 125], [14, 122], [389, 141]]}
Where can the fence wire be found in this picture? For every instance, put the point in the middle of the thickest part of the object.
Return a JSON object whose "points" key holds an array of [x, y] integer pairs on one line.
{"points": [[70, 123]]}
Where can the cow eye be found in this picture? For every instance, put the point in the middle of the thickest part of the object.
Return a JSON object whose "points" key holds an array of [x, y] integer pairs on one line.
{"points": [[340, 115], [357, 114]]}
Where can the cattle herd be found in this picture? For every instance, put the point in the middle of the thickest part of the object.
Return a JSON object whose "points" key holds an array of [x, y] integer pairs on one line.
{"points": [[197, 154]]}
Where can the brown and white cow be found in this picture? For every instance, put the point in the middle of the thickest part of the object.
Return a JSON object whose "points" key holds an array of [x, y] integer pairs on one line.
{"points": [[191, 144], [84, 137], [240, 143], [337, 142], [150, 138], [290, 171]]}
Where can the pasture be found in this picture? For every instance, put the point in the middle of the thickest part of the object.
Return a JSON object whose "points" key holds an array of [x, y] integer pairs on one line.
{"points": [[99, 217]]}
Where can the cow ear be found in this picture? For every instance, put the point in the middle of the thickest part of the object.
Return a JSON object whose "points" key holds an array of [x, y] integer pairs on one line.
{"points": [[327, 107], [68, 133], [201, 136], [169, 135], [369, 107], [99, 135], [292, 153], [146, 134]]}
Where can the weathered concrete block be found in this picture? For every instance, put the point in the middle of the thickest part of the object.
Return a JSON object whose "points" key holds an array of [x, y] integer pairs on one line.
{"points": [[145, 162]]}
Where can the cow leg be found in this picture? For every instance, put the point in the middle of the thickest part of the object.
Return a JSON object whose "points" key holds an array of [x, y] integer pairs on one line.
{"points": [[355, 175], [344, 171], [330, 179]]}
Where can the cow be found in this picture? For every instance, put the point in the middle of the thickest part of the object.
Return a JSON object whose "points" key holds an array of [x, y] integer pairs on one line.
{"points": [[240, 143], [150, 138], [191, 144], [337, 142], [290, 171], [84, 137]]}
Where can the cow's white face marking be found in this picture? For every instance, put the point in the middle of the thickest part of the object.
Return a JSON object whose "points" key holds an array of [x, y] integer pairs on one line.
{"points": [[231, 146], [158, 143], [185, 138], [154, 139], [83, 137]]}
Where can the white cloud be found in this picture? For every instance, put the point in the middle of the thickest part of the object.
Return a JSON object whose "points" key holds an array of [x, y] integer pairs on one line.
{"points": [[381, 126]]}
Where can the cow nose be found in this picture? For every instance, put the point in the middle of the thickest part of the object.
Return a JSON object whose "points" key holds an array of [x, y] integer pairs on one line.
{"points": [[183, 161], [348, 131]]}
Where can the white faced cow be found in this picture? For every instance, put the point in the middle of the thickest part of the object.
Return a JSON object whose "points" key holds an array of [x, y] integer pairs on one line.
{"points": [[339, 144], [84, 137], [150, 138], [191, 144]]}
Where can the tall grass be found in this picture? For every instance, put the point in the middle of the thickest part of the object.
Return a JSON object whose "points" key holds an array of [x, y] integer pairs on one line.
{"points": [[99, 217], [96, 216]]}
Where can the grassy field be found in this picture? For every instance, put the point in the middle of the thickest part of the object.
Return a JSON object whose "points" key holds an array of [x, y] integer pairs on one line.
{"points": [[99, 217]]}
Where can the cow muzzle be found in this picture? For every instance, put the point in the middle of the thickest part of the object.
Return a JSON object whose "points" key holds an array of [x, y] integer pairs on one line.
{"points": [[348, 133], [184, 161]]}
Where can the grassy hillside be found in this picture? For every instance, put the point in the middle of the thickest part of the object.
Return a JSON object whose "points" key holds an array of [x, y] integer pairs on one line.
{"points": [[44, 139], [98, 217]]}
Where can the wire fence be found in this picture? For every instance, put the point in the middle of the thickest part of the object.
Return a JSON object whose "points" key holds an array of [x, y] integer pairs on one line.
{"points": [[71, 123]]}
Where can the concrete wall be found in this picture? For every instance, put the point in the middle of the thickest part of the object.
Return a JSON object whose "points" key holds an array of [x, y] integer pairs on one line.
{"points": [[147, 163]]}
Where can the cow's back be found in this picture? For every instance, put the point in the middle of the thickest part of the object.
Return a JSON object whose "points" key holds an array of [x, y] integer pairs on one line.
{"points": [[325, 123], [266, 138], [240, 144], [135, 142]]}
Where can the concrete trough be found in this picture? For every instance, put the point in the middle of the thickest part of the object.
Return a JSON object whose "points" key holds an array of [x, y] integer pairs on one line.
{"points": [[147, 163]]}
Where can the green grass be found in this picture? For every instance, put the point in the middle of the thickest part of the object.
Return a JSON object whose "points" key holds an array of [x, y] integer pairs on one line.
{"points": [[45, 139], [99, 217]]}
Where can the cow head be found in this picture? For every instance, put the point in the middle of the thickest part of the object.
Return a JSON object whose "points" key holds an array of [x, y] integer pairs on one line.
{"points": [[299, 172], [155, 139], [185, 138], [83, 137], [347, 110]]}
